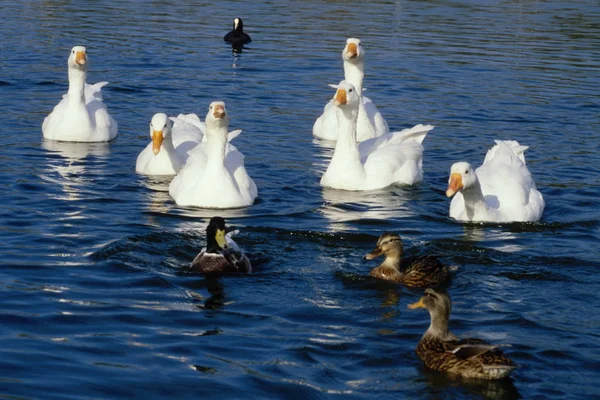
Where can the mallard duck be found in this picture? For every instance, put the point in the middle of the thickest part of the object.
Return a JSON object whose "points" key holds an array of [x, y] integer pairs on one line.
{"points": [[418, 271], [237, 36], [440, 350], [222, 254], [370, 123], [395, 157], [500, 190], [80, 116]]}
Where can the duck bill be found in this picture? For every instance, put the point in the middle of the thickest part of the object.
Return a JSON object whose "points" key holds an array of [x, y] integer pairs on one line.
{"points": [[352, 51], [340, 97], [374, 254], [80, 58], [220, 238], [157, 139], [454, 185], [418, 304]]}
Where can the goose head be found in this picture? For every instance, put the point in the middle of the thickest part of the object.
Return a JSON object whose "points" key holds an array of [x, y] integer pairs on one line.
{"points": [[238, 25], [160, 128], [346, 96], [215, 233], [353, 51], [390, 245], [217, 116], [78, 58], [462, 176]]}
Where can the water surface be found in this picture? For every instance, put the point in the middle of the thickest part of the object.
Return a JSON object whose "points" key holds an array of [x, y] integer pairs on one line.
{"points": [[94, 303]]}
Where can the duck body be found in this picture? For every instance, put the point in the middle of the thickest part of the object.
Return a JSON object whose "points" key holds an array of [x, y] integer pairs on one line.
{"points": [[237, 36], [468, 358], [395, 157], [168, 150], [418, 271], [441, 351], [370, 123], [500, 190], [81, 115], [214, 175], [221, 255]]}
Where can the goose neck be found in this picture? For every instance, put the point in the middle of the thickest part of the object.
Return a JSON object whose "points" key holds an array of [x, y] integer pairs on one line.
{"points": [[346, 119], [216, 142], [354, 72], [474, 201], [77, 84]]}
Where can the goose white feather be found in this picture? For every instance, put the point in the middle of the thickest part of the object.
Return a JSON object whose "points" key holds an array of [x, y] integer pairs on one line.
{"points": [[214, 175], [370, 122], [170, 143], [500, 190], [395, 157], [81, 115]]}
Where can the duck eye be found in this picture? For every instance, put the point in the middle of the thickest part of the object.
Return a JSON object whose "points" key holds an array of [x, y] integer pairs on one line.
{"points": [[350, 90], [165, 126], [467, 172]]}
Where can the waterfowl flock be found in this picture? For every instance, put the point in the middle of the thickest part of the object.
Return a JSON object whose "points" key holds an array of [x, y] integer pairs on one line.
{"points": [[208, 171]]}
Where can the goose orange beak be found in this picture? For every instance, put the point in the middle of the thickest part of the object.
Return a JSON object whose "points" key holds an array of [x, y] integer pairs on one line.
{"points": [[454, 185], [80, 58], [352, 51], [157, 139], [418, 304], [219, 112], [340, 97]]}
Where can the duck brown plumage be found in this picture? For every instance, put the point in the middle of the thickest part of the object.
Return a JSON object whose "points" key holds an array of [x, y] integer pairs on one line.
{"points": [[418, 271], [440, 350]]}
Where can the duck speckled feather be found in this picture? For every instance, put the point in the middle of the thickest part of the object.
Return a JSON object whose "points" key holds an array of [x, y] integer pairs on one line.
{"points": [[440, 350], [418, 271]]}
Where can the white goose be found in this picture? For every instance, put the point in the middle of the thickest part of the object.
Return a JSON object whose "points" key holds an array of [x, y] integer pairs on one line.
{"points": [[396, 157], [214, 175], [161, 156], [500, 190], [370, 122], [81, 116]]}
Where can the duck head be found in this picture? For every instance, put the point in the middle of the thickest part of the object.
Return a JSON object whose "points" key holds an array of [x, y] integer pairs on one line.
{"points": [[346, 96], [390, 245], [439, 306], [78, 58], [353, 51], [462, 176], [215, 233], [160, 128]]}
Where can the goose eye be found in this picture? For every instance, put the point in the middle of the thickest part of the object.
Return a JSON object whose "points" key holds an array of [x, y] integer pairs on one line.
{"points": [[467, 172], [350, 90]]}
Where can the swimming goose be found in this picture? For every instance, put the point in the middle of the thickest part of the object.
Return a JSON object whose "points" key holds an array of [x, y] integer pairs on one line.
{"points": [[214, 175], [370, 122], [237, 36], [395, 157], [418, 271], [161, 156], [221, 254], [500, 190], [441, 351], [80, 116]]}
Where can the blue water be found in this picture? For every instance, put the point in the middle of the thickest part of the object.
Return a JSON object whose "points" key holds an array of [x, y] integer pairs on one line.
{"points": [[93, 303]]}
